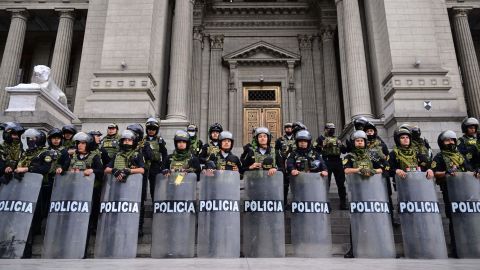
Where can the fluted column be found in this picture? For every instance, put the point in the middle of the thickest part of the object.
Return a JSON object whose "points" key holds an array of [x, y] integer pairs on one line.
{"points": [[468, 61], [318, 66], [308, 83], [356, 61], [215, 94], [343, 62], [180, 60], [292, 99], [232, 104], [195, 95], [63, 48], [12, 54], [332, 97]]}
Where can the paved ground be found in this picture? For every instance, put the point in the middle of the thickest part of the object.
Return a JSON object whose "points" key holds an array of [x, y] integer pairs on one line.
{"points": [[243, 263]]}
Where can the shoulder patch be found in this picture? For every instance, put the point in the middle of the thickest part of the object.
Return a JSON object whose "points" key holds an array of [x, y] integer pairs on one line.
{"points": [[48, 159], [345, 161], [434, 164]]}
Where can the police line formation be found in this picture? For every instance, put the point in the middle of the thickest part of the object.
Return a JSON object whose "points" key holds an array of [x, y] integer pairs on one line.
{"points": [[86, 186]]}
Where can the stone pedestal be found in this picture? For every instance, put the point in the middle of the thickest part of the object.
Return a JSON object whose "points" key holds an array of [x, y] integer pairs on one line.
{"points": [[33, 106]]}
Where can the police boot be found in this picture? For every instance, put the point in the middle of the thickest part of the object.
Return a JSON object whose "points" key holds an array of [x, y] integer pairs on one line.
{"points": [[343, 204], [349, 254]]}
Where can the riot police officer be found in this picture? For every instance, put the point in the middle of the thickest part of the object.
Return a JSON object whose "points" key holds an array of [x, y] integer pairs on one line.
{"points": [[110, 142], [195, 143], [129, 160], [212, 146], [181, 160], [448, 162], [283, 144], [359, 123], [420, 144], [68, 131], [305, 158], [97, 139], [224, 159], [405, 158], [159, 151], [12, 148], [331, 148], [358, 161], [36, 159], [467, 144], [262, 158]]}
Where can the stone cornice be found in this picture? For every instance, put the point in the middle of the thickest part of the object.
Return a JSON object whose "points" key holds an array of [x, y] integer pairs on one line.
{"points": [[47, 4], [258, 9], [260, 24]]}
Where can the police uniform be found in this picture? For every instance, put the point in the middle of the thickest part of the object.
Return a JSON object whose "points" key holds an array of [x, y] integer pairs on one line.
{"points": [[305, 160], [283, 146], [468, 146], [182, 162], [196, 145], [159, 155], [226, 161], [259, 155], [111, 144], [212, 148], [331, 148]]}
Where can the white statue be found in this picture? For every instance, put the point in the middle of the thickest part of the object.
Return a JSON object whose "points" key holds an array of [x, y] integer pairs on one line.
{"points": [[41, 79]]}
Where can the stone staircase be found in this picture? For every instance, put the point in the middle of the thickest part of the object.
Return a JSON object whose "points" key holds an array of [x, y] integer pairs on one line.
{"points": [[340, 223]]}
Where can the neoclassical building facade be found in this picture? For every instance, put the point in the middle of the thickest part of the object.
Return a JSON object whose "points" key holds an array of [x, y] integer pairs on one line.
{"points": [[246, 63]]}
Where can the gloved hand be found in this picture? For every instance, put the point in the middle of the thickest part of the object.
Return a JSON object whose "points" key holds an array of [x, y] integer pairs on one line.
{"points": [[126, 171], [268, 161], [210, 165], [116, 172], [165, 171], [18, 176], [477, 173], [365, 172]]}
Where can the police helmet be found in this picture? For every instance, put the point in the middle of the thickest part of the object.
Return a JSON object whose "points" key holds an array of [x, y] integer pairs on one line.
{"points": [[329, 126], [288, 125], [55, 133], [152, 123], [138, 130], [416, 132], [468, 122], [192, 128], [12, 128], [84, 137], [359, 134], [215, 127], [262, 130], [112, 125], [399, 132], [181, 136], [69, 129], [359, 123], [226, 135], [447, 134], [34, 138]]}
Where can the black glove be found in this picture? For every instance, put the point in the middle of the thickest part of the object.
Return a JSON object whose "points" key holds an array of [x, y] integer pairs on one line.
{"points": [[210, 165], [165, 171], [116, 172], [5, 179], [126, 171], [18, 176], [268, 161], [477, 172]]}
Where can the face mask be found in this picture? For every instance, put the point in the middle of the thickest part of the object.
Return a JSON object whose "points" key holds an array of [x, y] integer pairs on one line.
{"points": [[127, 147], [450, 147], [370, 137], [32, 144], [331, 132], [192, 134]]}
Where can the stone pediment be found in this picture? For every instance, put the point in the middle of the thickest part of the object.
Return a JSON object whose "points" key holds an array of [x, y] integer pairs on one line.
{"points": [[261, 52]]}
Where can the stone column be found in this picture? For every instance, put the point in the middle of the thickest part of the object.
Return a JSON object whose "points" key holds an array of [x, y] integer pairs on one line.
{"points": [[195, 94], [332, 97], [216, 89], [180, 60], [12, 54], [318, 67], [308, 83], [232, 104], [356, 61], [468, 61], [63, 47], [292, 100], [343, 62]]}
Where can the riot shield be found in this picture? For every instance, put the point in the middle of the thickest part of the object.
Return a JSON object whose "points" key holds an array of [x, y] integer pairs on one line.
{"points": [[219, 215], [263, 223], [69, 213], [372, 234], [117, 230], [174, 213], [310, 223], [422, 228], [17, 206], [464, 194]]}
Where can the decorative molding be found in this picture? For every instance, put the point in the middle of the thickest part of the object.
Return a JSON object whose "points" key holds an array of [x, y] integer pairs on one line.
{"points": [[251, 9], [327, 34], [198, 33], [216, 42], [266, 23], [261, 53], [115, 82], [305, 42]]}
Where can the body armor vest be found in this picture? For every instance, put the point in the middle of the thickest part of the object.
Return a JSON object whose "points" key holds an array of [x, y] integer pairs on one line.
{"points": [[286, 145], [111, 144], [82, 164], [259, 158], [178, 164], [124, 160], [330, 147], [28, 156]]}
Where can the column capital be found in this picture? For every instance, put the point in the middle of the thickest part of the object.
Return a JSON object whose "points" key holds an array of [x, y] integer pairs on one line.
{"points": [[20, 13], [338, 1], [461, 11], [198, 32], [216, 42], [327, 33], [305, 42], [66, 12]]}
